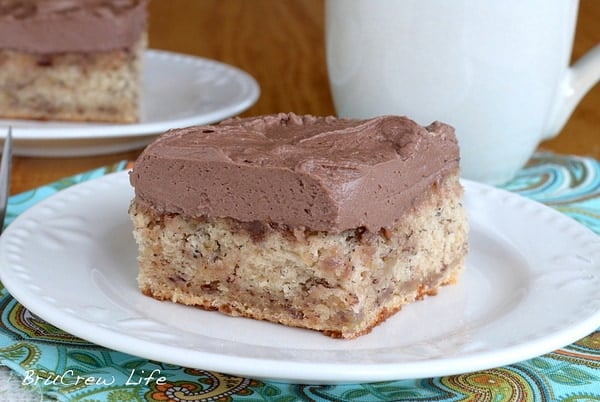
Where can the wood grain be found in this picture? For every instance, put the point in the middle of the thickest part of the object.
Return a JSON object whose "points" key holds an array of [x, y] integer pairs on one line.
{"points": [[281, 44]]}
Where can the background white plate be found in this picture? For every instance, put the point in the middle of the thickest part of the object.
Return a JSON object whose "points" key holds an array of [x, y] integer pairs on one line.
{"points": [[531, 286], [178, 91]]}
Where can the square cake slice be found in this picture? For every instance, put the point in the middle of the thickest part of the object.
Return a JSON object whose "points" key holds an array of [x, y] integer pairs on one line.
{"points": [[74, 60], [313, 222]]}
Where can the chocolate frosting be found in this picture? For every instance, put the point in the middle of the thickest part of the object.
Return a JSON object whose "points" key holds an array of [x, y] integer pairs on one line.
{"points": [[56, 26], [321, 173]]}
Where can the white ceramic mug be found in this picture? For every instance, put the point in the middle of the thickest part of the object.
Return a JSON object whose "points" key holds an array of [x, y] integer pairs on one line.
{"points": [[498, 71]]}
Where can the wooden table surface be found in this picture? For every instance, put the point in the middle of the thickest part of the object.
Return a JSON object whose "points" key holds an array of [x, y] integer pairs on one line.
{"points": [[281, 43]]}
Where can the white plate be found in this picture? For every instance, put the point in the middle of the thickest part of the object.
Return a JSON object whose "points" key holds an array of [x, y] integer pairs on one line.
{"points": [[178, 91], [531, 286]]}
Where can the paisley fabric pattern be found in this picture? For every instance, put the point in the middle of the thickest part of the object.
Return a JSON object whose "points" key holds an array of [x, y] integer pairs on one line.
{"points": [[71, 369]]}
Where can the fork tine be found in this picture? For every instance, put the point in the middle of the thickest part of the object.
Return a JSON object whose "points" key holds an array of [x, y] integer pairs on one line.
{"points": [[5, 167]]}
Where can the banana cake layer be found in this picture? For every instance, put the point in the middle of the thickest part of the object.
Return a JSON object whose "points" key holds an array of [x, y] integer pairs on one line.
{"points": [[75, 60], [314, 222]]}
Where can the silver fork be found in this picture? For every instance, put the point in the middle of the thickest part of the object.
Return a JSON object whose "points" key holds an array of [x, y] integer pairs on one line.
{"points": [[5, 165]]}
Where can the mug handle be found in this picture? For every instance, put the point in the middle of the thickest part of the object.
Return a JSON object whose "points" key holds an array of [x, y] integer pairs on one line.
{"points": [[580, 78]]}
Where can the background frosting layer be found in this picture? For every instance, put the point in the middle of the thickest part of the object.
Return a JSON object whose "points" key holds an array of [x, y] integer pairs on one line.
{"points": [[56, 26]]}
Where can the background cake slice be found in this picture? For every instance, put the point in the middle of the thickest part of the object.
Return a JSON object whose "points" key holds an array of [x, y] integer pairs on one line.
{"points": [[74, 60], [313, 222]]}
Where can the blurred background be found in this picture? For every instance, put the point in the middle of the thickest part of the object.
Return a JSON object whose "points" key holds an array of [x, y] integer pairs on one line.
{"points": [[263, 36]]}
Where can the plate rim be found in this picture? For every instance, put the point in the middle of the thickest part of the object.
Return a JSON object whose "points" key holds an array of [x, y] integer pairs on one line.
{"points": [[302, 372]]}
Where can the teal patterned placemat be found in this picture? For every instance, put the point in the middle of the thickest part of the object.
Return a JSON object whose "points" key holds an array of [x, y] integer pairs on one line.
{"points": [[70, 369]]}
